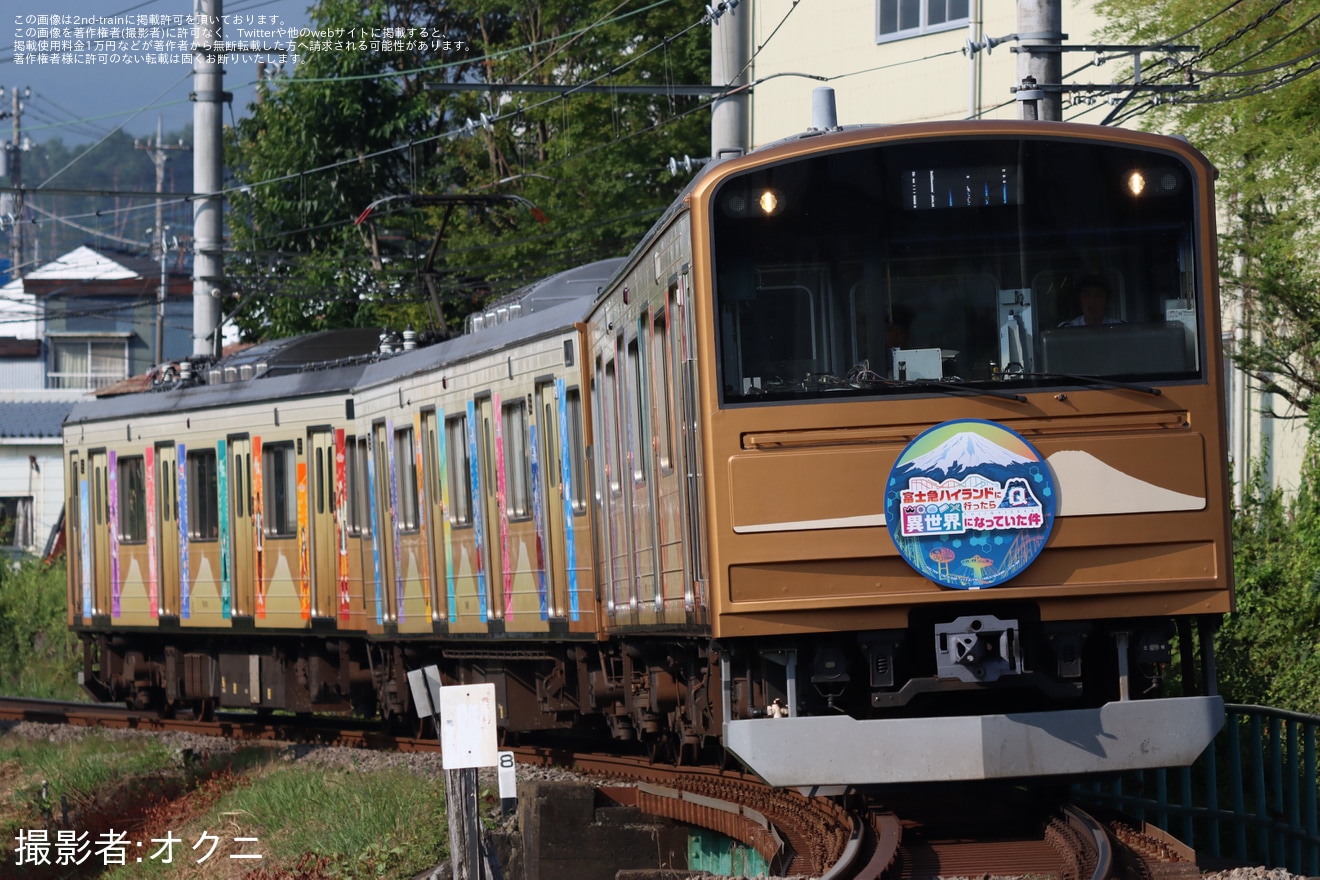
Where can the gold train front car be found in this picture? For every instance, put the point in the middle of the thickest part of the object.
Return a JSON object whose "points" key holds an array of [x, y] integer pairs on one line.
{"points": [[891, 454]]}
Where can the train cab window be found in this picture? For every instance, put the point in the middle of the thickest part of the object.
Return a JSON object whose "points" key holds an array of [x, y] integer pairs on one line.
{"points": [[405, 463], [576, 452], [280, 490], [203, 497], [964, 254], [459, 466], [132, 500], [663, 382], [517, 461]]}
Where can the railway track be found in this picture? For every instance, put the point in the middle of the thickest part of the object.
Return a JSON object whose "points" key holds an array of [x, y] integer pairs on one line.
{"points": [[914, 836]]}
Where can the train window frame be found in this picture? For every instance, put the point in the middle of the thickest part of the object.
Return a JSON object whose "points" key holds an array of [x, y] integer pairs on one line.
{"points": [[634, 382], [357, 484], [546, 420], [577, 456], [662, 380], [405, 468], [167, 487], [610, 416], [203, 495], [131, 489], [517, 461], [279, 495], [458, 467]]}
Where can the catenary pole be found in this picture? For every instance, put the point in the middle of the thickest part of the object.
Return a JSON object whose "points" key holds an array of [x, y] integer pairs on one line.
{"points": [[208, 215], [1040, 35], [730, 56]]}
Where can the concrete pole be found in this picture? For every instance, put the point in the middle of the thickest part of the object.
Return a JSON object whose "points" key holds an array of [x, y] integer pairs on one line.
{"points": [[208, 215], [16, 181], [973, 60], [730, 57], [1040, 32]]}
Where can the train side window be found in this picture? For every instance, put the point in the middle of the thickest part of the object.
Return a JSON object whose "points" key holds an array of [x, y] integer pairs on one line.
{"points": [[165, 484], [406, 464], [638, 442], [610, 415], [320, 480], [549, 436], [355, 474], [460, 469], [203, 500], [279, 500], [662, 383], [132, 499], [517, 461], [576, 452], [597, 406], [241, 509]]}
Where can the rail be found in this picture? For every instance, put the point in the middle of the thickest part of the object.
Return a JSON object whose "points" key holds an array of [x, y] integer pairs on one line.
{"points": [[1251, 798]]}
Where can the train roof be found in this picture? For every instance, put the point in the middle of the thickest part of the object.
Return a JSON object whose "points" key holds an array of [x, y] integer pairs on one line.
{"points": [[550, 305], [341, 361]]}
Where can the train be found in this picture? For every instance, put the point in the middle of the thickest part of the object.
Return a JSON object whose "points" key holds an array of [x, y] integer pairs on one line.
{"points": [[833, 473]]}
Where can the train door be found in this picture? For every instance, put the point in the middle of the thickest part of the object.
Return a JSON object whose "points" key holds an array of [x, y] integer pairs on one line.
{"points": [[694, 501], [241, 527], [491, 521], [665, 476], [435, 518], [637, 417], [167, 528], [555, 544], [100, 532], [387, 540], [321, 512]]}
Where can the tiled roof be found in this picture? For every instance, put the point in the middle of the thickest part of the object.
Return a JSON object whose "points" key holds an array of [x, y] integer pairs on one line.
{"points": [[44, 419]]}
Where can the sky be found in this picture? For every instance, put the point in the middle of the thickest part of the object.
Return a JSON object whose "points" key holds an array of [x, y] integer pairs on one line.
{"points": [[82, 102]]}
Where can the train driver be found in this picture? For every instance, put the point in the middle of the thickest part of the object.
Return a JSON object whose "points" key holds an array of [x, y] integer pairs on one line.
{"points": [[1093, 299]]}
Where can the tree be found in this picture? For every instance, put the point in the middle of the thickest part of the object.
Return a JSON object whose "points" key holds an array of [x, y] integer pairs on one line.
{"points": [[1254, 115], [350, 129]]}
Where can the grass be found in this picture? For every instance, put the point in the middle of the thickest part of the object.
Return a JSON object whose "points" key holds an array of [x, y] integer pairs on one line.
{"points": [[39, 657]]}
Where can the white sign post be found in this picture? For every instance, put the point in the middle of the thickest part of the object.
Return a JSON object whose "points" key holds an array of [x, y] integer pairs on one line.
{"points": [[508, 783]]}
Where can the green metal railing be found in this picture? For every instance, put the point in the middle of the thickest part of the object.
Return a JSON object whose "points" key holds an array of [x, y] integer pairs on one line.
{"points": [[1250, 798]]}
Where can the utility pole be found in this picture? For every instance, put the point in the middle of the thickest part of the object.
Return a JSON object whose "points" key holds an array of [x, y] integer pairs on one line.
{"points": [[16, 179], [730, 66], [208, 219], [159, 156], [1040, 38]]}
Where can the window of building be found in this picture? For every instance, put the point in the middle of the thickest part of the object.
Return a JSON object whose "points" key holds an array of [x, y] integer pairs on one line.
{"points": [[16, 521], [279, 490], [203, 497], [132, 499], [897, 19], [88, 361]]}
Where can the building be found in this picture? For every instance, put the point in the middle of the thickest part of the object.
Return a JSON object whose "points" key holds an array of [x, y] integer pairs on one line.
{"points": [[76, 324]]}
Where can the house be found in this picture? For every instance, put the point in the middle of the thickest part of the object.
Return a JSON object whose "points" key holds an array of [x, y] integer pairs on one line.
{"points": [[78, 323]]}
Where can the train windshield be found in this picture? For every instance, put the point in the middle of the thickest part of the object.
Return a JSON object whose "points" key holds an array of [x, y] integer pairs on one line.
{"points": [[940, 265]]}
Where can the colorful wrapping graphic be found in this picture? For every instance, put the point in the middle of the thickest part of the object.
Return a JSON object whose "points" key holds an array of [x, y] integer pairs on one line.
{"points": [[113, 501], [375, 532], [418, 442], [153, 536], [341, 522], [502, 507], [222, 494], [538, 521], [394, 518], [304, 547], [185, 578], [85, 548], [445, 524], [478, 510], [566, 485], [258, 528], [969, 504]]}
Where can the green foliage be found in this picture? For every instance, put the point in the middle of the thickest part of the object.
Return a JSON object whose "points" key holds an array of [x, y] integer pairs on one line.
{"points": [[1254, 114], [1269, 648], [39, 657], [380, 824], [593, 163]]}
